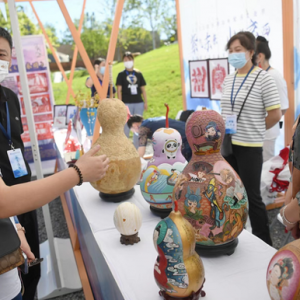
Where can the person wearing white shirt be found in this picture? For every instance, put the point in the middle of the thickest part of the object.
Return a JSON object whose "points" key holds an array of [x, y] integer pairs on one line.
{"points": [[263, 53]]}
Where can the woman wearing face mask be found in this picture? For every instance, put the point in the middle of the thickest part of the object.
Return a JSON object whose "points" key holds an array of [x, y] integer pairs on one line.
{"points": [[99, 65], [130, 88], [263, 55], [247, 122]]}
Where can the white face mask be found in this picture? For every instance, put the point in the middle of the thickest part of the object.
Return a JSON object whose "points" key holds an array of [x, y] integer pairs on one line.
{"points": [[128, 64], [3, 69]]}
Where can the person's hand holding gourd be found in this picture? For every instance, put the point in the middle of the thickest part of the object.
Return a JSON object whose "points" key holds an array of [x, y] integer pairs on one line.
{"points": [[93, 168]]}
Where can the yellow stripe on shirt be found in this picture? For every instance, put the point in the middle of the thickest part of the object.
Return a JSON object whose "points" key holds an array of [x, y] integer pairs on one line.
{"points": [[273, 107]]}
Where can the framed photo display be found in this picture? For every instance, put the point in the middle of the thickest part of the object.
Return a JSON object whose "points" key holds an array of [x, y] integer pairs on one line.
{"points": [[218, 70], [199, 78], [71, 112]]}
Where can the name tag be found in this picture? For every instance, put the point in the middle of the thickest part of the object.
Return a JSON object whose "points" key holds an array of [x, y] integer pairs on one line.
{"points": [[133, 89], [231, 124], [17, 162]]}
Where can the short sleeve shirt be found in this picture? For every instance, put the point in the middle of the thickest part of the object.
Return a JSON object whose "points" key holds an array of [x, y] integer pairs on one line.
{"points": [[125, 79], [251, 126], [9, 97]]}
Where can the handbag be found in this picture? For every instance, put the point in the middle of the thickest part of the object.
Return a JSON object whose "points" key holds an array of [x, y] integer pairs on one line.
{"points": [[226, 148], [11, 255]]}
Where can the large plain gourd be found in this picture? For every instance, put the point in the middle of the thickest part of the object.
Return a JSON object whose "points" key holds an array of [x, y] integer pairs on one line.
{"points": [[210, 194], [178, 270], [163, 169], [125, 164]]}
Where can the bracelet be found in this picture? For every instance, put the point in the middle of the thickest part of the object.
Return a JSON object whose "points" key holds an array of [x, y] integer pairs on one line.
{"points": [[78, 172], [285, 219]]}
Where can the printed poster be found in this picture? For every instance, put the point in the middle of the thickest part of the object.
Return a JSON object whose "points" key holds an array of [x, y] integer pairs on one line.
{"points": [[40, 88]]}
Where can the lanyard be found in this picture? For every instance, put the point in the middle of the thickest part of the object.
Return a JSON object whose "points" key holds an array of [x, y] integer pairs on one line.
{"points": [[8, 132], [131, 76], [233, 99], [268, 69]]}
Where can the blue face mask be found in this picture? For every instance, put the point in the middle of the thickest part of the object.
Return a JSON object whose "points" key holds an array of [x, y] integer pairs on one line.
{"points": [[102, 70], [237, 60]]}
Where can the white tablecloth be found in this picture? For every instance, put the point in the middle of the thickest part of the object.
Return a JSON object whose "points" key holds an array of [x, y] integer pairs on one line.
{"points": [[241, 276]]}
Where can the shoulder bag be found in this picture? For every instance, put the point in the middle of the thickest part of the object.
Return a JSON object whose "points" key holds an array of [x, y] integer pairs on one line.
{"points": [[10, 253], [226, 148]]}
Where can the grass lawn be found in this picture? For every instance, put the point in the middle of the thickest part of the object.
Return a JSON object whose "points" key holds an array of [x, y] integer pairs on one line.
{"points": [[161, 70]]}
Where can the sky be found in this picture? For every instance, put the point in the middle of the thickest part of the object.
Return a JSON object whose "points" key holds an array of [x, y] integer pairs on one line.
{"points": [[49, 12]]}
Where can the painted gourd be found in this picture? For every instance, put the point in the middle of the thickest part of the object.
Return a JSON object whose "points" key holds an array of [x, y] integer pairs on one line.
{"points": [[283, 275], [210, 194], [178, 270], [128, 219], [163, 169], [125, 164]]}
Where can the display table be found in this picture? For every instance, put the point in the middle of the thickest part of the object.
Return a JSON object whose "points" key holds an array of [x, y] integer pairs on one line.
{"points": [[117, 271]]}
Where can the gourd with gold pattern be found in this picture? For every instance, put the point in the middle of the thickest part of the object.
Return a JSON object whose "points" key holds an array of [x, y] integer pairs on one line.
{"points": [[178, 270], [125, 164]]}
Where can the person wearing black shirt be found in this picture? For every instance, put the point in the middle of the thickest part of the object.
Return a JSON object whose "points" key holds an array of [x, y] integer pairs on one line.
{"points": [[9, 103], [146, 128], [130, 88]]}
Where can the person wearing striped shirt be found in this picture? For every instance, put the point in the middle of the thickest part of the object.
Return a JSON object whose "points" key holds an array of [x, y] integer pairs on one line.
{"points": [[261, 111]]}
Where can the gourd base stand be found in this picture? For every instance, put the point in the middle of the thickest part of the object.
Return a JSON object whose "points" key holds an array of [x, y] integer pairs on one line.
{"points": [[194, 296], [213, 251], [163, 213], [129, 239], [116, 198]]}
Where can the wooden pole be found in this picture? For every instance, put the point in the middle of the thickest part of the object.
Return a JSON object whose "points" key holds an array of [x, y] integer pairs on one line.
{"points": [[110, 56], [75, 53], [288, 65], [52, 49], [80, 46], [179, 35]]}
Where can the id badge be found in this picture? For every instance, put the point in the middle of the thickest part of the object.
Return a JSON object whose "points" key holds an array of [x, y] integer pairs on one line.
{"points": [[231, 124], [133, 89], [17, 162]]}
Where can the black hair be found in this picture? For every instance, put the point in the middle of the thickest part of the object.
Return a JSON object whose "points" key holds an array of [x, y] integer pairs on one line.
{"points": [[6, 35], [263, 47], [98, 61], [262, 39], [134, 119], [247, 40], [128, 54]]}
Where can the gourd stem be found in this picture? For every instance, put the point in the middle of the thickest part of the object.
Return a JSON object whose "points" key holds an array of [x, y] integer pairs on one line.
{"points": [[176, 205], [167, 115]]}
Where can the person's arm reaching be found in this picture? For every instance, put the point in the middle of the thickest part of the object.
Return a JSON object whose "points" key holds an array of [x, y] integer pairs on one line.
{"points": [[21, 198], [142, 151]]}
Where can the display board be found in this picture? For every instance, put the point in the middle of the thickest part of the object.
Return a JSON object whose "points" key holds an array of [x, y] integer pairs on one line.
{"points": [[41, 94]]}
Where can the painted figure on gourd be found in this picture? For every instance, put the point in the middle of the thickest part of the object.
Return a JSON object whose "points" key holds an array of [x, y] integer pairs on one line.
{"points": [[210, 194], [125, 164], [283, 275], [178, 270], [163, 169]]}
